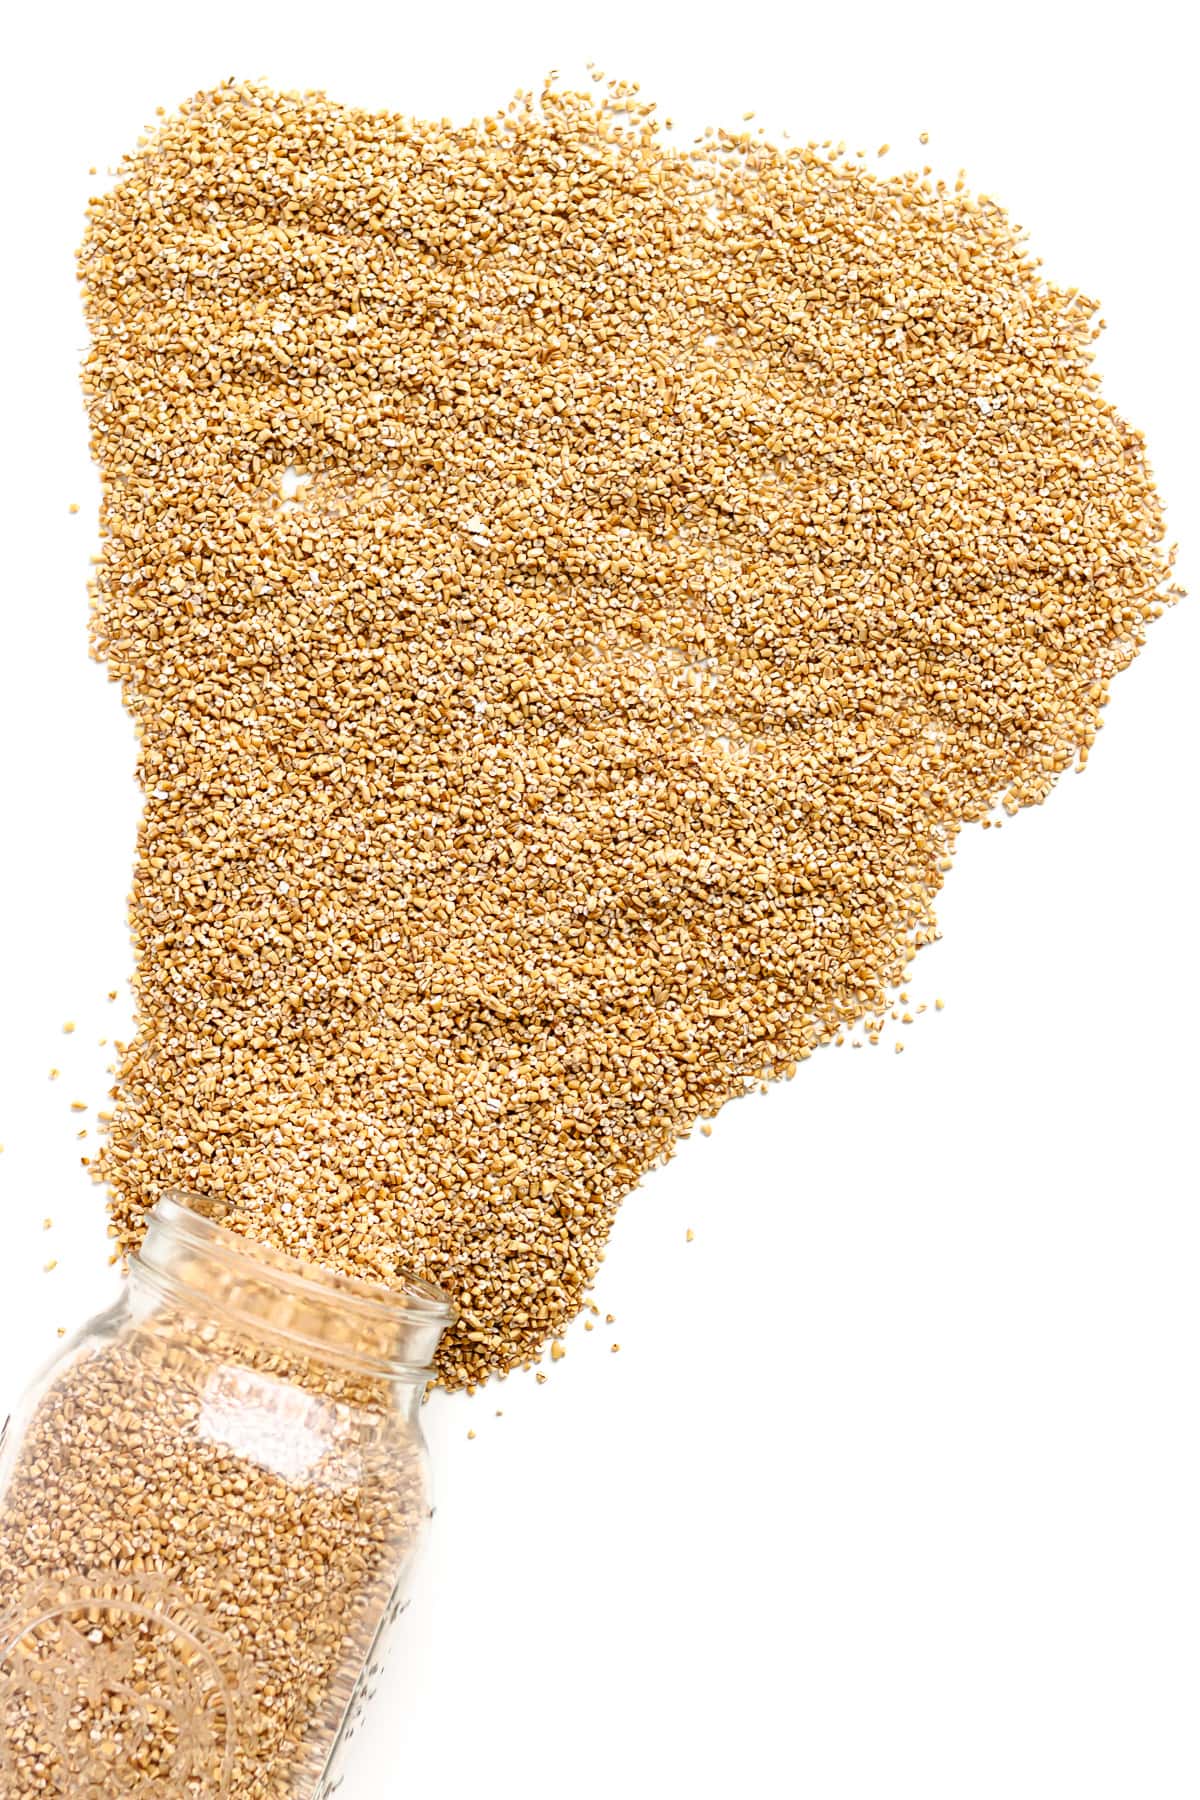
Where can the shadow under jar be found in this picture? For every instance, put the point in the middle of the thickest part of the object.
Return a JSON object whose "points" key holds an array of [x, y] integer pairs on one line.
{"points": [[207, 1507]]}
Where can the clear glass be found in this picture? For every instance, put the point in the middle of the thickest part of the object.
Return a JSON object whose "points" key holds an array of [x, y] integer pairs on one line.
{"points": [[208, 1505]]}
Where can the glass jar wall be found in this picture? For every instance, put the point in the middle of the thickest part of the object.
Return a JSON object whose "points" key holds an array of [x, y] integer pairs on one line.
{"points": [[207, 1506]]}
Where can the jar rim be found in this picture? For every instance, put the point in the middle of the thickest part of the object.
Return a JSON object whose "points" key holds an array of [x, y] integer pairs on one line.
{"points": [[187, 1224]]}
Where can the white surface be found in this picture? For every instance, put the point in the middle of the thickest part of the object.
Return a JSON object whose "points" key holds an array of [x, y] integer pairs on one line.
{"points": [[893, 1488]]}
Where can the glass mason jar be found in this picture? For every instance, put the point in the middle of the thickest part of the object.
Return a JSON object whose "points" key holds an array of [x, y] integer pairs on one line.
{"points": [[207, 1507]]}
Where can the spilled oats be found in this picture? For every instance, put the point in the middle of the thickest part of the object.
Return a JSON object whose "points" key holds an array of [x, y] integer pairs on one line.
{"points": [[571, 589]]}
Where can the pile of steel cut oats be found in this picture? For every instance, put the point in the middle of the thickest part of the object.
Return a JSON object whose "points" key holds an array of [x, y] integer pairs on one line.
{"points": [[571, 588]]}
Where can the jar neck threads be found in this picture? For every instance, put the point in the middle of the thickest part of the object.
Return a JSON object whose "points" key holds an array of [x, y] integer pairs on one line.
{"points": [[384, 1331]]}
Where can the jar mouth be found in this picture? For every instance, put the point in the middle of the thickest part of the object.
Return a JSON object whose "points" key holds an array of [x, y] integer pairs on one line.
{"points": [[194, 1215], [391, 1329]]}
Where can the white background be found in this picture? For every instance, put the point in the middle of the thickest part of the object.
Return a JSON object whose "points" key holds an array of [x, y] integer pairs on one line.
{"points": [[894, 1487]]}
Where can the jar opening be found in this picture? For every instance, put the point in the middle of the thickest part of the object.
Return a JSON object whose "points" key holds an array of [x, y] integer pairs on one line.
{"points": [[392, 1330]]}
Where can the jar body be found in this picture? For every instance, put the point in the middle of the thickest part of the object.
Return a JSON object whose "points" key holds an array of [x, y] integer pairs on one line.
{"points": [[203, 1527]]}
